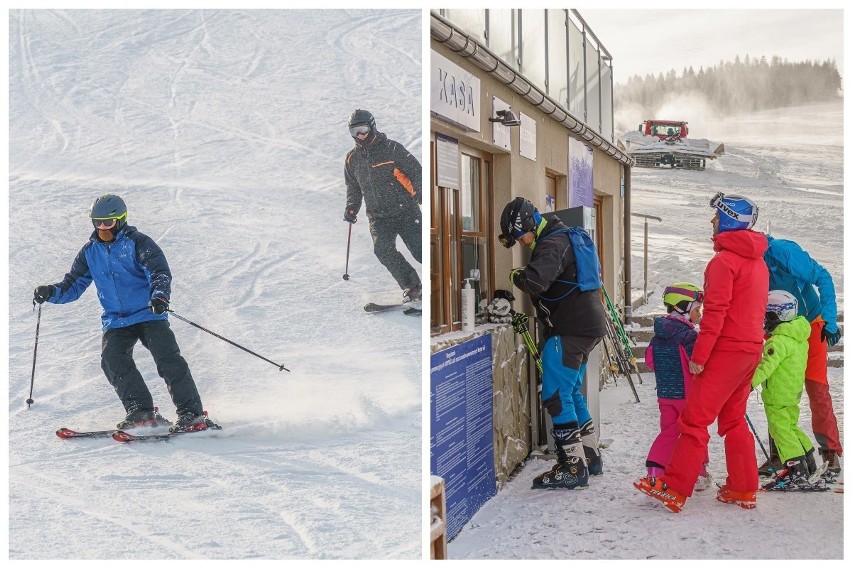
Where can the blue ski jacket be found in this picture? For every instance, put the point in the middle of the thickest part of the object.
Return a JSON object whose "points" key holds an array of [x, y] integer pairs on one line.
{"points": [[668, 355], [793, 270], [128, 272]]}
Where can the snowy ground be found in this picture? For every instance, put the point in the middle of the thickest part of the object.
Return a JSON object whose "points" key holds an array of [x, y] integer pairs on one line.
{"points": [[225, 133], [797, 180]]}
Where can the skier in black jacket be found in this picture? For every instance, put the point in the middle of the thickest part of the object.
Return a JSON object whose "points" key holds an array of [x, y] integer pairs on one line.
{"points": [[383, 174], [574, 323]]}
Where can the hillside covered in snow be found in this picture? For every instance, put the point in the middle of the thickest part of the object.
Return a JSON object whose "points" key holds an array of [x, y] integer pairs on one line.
{"points": [[225, 133]]}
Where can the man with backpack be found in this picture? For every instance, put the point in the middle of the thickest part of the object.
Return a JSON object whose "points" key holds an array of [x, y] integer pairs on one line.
{"points": [[562, 279]]}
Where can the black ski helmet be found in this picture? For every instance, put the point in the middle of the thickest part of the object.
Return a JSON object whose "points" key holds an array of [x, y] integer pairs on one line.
{"points": [[109, 206], [519, 216], [361, 118]]}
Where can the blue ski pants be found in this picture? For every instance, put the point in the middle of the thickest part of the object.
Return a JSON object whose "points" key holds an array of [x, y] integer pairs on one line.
{"points": [[564, 361]]}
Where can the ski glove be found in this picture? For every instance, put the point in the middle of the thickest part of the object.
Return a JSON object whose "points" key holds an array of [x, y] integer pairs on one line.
{"points": [[514, 273], [159, 304], [42, 293], [349, 216], [830, 334]]}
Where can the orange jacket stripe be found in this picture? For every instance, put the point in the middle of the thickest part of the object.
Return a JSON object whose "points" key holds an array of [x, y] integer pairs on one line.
{"points": [[403, 179]]}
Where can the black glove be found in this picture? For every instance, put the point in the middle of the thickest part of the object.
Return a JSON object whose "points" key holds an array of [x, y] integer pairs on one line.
{"points": [[830, 334], [349, 216], [159, 304], [42, 293]]}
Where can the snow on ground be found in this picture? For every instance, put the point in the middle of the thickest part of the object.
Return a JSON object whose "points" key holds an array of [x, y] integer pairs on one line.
{"points": [[797, 180], [225, 133]]}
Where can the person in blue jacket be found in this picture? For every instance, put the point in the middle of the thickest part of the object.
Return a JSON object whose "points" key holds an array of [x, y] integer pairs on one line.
{"points": [[793, 270], [133, 282]]}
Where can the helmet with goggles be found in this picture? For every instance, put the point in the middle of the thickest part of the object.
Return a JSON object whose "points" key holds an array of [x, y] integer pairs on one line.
{"points": [[361, 122], [682, 297], [736, 212], [783, 304], [519, 217], [109, 212]]}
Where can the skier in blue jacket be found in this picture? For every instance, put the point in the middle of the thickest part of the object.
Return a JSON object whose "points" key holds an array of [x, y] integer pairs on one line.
{"points": [[793, 270], [133, 282]]}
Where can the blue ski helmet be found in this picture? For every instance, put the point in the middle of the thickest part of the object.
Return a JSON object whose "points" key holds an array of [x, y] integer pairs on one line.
{"points": [[735, 212], [108, 207]]}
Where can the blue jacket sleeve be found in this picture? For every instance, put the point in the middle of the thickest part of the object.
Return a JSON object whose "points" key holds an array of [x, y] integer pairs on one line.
{"points": [[75, 282], [799, 264], [151, 257]]}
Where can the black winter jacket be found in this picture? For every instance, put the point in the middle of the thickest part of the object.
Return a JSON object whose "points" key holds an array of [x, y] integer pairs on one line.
{"points": [[552, 261], [385, 175]]}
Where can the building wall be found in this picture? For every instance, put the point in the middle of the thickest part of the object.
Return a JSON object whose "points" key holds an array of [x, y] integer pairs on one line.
{"points": [[514, 175], [607, 182]]}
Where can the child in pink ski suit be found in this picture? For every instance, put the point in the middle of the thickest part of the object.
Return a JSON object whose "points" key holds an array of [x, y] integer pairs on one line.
{"points": [[668, 356]]}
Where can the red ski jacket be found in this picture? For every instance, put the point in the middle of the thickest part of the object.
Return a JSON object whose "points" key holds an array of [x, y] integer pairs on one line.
{"points": [[736, 286]]}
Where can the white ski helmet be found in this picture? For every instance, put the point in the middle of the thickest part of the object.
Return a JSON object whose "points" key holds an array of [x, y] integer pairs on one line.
{"points": [[783, 304]]}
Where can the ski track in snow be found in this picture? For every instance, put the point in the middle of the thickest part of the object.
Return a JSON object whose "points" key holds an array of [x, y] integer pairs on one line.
{"points": [[225, 132]]}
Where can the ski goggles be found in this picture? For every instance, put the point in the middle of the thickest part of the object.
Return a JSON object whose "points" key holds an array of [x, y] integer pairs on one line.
{"points": [[509, 241], [360, 129], [506, 241], [697, 296], [718, 202], [108, 223]]}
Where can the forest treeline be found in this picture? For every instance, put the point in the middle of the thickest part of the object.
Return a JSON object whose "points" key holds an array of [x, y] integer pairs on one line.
{"points": [[742, 85]]}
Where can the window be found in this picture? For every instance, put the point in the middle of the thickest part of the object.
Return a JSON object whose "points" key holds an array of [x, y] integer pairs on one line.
{"points": [[503, 35], [557, 56], [576, 71], [460, 239], [533, 52]]}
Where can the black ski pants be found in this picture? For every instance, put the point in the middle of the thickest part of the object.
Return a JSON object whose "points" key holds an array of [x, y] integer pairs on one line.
{"points": [[384, 231], [120, 369]]}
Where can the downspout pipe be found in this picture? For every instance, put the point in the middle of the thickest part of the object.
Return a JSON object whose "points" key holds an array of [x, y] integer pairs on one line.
{"points": [[444, 32]]}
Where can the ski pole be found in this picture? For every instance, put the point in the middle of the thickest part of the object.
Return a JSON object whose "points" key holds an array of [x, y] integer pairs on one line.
{"points": [[765, 453], [348, 242], [280, 367], [35, 351], [519, 324]]}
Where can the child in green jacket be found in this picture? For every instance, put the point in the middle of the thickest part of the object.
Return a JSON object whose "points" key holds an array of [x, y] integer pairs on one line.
{"points": [[782, 373]]}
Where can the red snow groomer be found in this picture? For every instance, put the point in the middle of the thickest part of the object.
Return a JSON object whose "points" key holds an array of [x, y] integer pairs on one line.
{"points": [[666, 144]]}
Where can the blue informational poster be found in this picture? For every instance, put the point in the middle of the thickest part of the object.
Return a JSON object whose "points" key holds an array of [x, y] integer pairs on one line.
{"points": [[462, 428]]}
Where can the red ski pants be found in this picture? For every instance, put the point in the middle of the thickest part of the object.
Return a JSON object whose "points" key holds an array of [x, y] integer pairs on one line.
{"points": [[823, 420], [719, 393]]}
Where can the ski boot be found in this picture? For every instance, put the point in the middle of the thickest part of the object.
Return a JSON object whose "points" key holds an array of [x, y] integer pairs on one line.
{"points": [[412, 294], [142, 419], [833, 469], [745, 499], [570, 471], [191, 422], [773, 463], [657, 488], [591, 449], [794, 477], [811, 462], [703, 482]]}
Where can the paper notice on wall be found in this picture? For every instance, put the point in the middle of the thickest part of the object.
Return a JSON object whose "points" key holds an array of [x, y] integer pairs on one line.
{"points": [[581, 191]]}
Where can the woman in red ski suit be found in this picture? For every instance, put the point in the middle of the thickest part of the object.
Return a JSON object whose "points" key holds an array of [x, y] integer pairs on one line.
{"points": [[726, 353]]}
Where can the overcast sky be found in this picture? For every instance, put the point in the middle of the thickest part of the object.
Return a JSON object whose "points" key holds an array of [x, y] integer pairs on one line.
{"points": [[654, 41]]}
